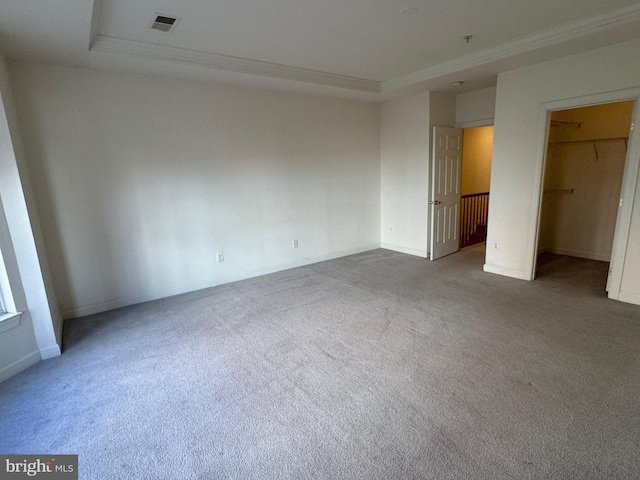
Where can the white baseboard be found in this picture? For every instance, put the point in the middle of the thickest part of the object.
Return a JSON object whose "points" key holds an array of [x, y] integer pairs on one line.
{"points": [[507, 272], [124, 302], [578, 253], [50, 351], [628, 298], [401, 249], [19, 365]]}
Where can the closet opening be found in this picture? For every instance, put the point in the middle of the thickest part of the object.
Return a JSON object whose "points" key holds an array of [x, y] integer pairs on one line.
{"points": [[584, 168]]}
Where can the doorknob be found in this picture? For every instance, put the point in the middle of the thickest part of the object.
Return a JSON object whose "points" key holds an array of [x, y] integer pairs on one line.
{"points": [[435, 202]]}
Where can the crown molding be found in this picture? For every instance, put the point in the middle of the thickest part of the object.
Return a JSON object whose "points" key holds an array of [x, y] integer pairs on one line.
{"points": [[102, 44], [119, 46], [528, 44]]}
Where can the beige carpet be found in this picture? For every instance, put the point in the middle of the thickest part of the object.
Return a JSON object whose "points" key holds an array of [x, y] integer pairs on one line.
{"points": [[374, 366]]}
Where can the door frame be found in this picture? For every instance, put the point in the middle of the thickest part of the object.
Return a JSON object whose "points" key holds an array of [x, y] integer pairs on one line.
{"points": [[629, 179]]}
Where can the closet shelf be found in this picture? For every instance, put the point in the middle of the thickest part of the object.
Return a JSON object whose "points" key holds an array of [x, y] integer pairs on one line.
{"points": [[560, 123], [564, 191], [551, 193]]}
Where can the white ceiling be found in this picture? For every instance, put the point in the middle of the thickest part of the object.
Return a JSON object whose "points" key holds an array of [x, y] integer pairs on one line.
{"points": [[367, 49]]}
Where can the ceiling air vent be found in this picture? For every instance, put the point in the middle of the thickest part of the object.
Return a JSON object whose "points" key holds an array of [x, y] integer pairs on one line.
{"points": [[164, 23]]}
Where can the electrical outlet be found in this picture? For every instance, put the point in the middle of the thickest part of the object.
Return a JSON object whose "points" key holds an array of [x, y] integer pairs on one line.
{"points": [[496, 246], [390, 228], [295, 243], [219, 257]]}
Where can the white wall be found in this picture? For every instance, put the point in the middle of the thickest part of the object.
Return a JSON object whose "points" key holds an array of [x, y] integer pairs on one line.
{"points": [[142, 180], [404, 155], [476, 108], [442, 110], [33, 338], [523, 98]]}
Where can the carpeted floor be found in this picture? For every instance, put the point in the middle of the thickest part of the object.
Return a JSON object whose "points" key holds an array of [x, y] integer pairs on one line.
{"points": [[374, 366]]}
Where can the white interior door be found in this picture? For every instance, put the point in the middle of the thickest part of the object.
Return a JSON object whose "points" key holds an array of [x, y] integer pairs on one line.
{"points": [[445, 191]]}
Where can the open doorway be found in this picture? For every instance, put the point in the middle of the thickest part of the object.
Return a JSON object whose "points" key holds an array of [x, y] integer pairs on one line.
{"points": [[585, 163], [461, 173], [477, 150]]}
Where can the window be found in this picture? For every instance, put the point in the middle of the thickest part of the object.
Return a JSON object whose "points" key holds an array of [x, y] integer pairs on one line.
{"points": [[4, 285], [9, 317]]}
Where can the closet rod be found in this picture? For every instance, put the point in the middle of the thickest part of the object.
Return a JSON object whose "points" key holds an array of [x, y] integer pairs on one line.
{"points": [[565, 191], [560, 123], [589, 141]]}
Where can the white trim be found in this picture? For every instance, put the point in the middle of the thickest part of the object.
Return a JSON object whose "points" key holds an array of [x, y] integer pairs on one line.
{"points": [[226, 63], [123, 302], [9, 321], [507, 272], [50, 351], [542, 140], [627, 196], [410, 251], [547, 38], [19, 365], [7, 303], [628, 298], [112, 45]]}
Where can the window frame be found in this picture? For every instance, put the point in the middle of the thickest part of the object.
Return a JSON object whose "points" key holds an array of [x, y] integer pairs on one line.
{"points": [[9, 316]]}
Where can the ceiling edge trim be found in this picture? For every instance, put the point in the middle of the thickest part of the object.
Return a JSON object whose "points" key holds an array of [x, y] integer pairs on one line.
{"points": [[119, 46], [524, 45]]}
